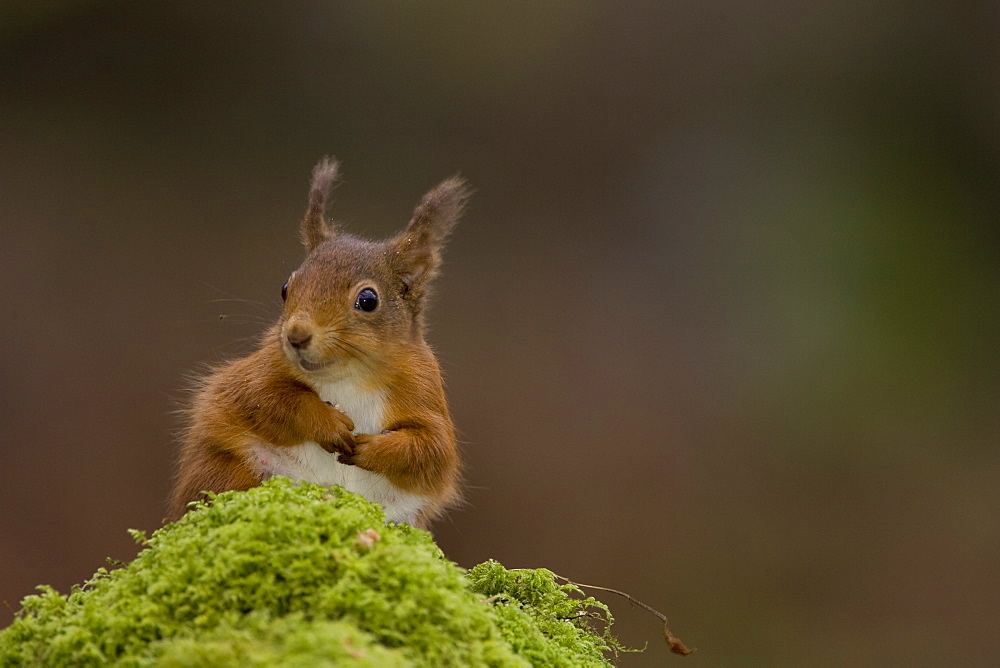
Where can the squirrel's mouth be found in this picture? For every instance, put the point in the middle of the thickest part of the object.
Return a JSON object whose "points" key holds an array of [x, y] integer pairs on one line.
{"points": [[310, 366]]}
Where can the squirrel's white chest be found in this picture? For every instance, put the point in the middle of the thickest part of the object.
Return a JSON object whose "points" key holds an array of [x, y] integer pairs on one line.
{"points": [[365, 408], [311, 463]]}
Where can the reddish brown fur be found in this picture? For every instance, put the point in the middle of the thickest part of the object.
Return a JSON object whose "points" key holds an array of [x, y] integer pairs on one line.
{"points": [[271, 398]]}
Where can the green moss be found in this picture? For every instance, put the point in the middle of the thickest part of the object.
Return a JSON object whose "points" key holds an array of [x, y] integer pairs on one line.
{"points": [[281, 574]]}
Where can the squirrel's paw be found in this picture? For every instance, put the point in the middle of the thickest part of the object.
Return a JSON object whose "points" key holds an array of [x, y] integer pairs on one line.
{"points": [[343, 446], [339, 439], [351, 458], [361, 441]]}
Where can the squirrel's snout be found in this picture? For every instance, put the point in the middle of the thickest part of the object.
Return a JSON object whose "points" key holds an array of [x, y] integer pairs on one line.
{"points": [[298, 337]]}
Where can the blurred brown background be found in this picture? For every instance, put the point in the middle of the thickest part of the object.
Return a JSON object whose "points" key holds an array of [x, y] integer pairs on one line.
{"points": [[720, 328]]}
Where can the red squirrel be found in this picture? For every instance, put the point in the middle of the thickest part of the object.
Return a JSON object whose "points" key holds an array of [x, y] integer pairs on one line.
{"points": [[343, 388]]}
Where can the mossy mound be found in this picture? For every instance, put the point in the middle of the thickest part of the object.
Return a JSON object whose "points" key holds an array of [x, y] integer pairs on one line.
{"points": [[297, 574]]}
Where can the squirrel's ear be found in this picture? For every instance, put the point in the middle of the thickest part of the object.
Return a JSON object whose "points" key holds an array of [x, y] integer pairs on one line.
{"points": [[315, 228], [418, 247]]}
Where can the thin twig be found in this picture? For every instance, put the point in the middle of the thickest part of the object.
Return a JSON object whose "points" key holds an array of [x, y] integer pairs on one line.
{"points": [[676, 646]]}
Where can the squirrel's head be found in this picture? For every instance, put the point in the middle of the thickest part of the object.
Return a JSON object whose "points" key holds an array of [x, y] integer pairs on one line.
{"points": [[355, 300]]}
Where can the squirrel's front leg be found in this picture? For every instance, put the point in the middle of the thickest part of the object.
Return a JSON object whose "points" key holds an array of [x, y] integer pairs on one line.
{"points": [[414, 458], [292, 414]]}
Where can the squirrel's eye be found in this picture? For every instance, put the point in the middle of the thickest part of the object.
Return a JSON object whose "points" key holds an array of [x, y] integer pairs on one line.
{"points": [[367, 300], [284, 292]]}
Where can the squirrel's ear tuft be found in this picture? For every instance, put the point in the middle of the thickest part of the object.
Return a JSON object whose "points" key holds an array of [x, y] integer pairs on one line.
{"points": [[418, 247], [315, 227]]}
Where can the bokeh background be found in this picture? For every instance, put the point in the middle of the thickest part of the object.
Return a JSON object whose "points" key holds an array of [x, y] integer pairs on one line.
{"points": [[720, 328]]}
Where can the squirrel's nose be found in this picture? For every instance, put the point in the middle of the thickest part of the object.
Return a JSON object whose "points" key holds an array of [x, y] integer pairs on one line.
{"points": [[298, 337]]}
